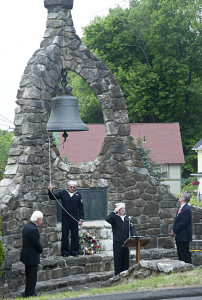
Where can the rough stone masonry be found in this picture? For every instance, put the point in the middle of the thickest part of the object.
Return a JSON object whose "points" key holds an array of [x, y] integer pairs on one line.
{"points": [[117, 167]]}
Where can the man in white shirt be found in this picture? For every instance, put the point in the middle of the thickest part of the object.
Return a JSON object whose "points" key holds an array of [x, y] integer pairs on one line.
{"points": [[182, 228]]}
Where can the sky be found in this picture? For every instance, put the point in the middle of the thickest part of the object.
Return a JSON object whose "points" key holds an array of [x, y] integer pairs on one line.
{"points": [[22, 25]]}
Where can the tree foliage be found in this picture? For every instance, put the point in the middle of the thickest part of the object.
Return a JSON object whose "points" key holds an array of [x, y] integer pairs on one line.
{"points": [[154, 169], [89, 107], [154, 50], [5, 141]]}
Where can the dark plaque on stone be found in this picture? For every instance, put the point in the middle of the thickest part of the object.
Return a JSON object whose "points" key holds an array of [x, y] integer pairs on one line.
{"points": [[95, 204]]}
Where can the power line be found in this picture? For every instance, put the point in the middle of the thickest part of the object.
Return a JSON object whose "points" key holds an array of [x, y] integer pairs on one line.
{"points": [[85, 17], [95, 13], [7, 128], [6, 119], [4, 125], [20, 43]]}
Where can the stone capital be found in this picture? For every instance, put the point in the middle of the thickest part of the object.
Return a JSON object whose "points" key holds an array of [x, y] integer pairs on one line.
{"points": [[63, 3]]}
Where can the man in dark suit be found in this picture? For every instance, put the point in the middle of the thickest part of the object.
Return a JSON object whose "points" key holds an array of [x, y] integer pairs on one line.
{"points": [[31, 250], [72, 216], [121, 228], [182, 228]]}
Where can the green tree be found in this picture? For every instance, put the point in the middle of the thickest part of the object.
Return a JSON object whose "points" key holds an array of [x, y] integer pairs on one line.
{"points": [[5, 141], [89, 107], [154, 169], [154, 50]]}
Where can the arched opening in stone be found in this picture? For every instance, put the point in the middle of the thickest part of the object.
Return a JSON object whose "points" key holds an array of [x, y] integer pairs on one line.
{"points": [[89, 107], [94, 197], [82, 145]]}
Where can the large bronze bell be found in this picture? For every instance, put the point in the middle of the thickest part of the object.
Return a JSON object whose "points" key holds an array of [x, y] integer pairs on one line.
{"points": [[65, 115]]}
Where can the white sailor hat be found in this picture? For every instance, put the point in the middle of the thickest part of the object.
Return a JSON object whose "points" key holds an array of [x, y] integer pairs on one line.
{"points": [[120, 205], [72, 182]]}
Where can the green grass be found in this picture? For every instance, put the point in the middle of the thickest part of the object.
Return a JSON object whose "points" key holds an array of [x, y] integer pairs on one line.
{"points": [[191, 278]]}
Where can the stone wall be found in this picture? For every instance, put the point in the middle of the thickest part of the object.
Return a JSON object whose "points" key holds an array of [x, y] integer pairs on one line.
{"points": [[117, 167], [147, 268], [197, 222]]}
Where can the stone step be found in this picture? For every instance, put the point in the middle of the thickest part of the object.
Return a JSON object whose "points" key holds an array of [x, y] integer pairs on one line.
{"points": [[196, 251], [70, 283], [58, 267], [196, 245]]}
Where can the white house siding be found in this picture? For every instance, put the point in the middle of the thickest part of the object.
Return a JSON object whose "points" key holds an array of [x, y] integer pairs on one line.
{"points": [[199, 160], [174, 178], [199, 171]]}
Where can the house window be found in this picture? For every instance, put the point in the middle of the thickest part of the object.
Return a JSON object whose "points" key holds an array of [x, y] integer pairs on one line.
{"points": [[164, 170]]}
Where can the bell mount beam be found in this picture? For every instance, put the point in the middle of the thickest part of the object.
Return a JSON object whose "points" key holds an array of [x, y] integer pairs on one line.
{"points": [[63, 3]]}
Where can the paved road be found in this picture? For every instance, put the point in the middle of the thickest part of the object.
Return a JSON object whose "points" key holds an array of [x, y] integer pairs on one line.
{"points": [[186, 293], [185, 298]]}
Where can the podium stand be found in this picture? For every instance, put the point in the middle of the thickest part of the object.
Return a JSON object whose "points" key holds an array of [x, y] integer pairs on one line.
{"points": [[136, 241]]}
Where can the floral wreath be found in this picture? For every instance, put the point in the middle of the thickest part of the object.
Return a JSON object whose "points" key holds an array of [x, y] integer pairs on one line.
{"points": [[88, 243]]}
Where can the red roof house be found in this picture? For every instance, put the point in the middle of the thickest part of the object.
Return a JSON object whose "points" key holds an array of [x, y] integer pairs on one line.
{"points": [[83, 145], [164, 140]]}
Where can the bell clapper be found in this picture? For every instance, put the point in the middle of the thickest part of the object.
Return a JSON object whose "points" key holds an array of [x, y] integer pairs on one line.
{"points": [[65, 135]]}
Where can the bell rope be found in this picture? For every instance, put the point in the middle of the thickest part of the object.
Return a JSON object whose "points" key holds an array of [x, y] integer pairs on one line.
{"points": [[52, 192]]}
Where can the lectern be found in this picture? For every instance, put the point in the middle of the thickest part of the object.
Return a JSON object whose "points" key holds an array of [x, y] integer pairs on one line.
{"points": [[136, 241]]}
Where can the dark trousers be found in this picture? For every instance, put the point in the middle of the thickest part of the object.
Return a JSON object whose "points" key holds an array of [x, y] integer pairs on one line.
{"points": [[31, 279], [71, 225], [183, 252], [121, 258]]}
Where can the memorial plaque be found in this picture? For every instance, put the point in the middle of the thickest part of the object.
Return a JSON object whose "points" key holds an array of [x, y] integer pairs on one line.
{"points": [[95, 204]]}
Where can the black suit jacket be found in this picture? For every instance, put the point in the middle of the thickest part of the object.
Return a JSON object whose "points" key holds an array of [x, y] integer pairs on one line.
{"points": [[31, 247], [120, 228], [183, 225], [73, 205]]}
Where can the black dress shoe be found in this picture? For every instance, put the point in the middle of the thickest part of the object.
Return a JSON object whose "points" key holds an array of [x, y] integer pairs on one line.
{"points": [[65, 255], [75, 255], [32, 295]]}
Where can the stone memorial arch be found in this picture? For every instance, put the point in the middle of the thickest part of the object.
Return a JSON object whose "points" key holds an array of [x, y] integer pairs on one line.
{"points": [[117, 167]]}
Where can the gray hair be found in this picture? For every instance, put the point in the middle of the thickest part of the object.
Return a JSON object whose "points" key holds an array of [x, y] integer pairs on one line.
{"points": [[186, 197], [36, 215]]}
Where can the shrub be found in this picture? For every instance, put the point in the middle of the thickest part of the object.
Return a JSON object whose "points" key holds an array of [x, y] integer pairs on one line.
{"points": [[190, 186]]}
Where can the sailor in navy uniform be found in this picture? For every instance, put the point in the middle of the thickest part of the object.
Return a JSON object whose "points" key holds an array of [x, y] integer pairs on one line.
{"points": [[182, 228], [121, 226], [72, 203]]}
